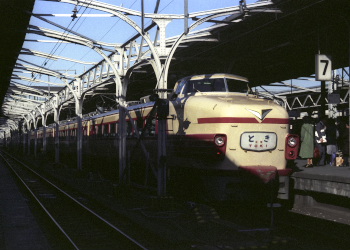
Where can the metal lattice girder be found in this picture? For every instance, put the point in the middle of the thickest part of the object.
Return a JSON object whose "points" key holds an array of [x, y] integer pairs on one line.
{"points": [[310, 100], [25, 88], [69, 37], [51, 57], [28, 79], [41, 70], [82, 40]]}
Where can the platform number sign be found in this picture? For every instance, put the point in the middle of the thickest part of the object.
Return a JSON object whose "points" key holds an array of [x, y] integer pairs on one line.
{"points": [[323, 68]]}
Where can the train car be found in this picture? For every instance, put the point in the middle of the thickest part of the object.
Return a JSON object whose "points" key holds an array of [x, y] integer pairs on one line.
{"points": [[102, 142], [222, 140], [234, 138]]}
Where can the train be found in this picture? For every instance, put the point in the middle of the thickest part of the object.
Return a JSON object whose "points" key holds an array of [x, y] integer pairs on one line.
{"points": [[223, 140]]}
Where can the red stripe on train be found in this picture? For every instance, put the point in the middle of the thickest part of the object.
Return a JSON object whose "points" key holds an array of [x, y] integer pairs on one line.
{"points": [[242, 120]]}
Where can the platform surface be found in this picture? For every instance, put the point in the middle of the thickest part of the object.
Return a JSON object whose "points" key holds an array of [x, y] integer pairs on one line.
{"points": [[326, 172], [19, 229], [322, 179]]}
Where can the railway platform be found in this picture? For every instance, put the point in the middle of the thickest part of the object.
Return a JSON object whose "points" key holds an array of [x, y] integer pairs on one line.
{"points": [[18, 227], [322, 191]]}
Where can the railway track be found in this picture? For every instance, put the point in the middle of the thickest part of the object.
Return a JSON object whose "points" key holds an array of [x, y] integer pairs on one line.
{"points": [[192, 226], [80, 226], [195, 226]]}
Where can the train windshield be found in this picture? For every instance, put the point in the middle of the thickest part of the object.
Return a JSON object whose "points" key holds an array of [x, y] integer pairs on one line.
{"points": [[239, 86], [216, 85], [206, 85]]}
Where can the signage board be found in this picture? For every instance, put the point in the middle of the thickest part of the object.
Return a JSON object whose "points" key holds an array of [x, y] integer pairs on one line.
{"points": [[323, 68]]}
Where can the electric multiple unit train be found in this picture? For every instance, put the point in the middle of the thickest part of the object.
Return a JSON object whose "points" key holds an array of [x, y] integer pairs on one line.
{"points": [[221, 137]]}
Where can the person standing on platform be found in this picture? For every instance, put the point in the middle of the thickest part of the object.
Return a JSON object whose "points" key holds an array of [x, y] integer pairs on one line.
{"points": [[346, 145], [321, 140], [331, 135], [343, 139], [307, 141]]}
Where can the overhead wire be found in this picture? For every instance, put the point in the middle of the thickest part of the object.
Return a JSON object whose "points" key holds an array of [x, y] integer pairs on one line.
{"points": [[103, 36], [59, 43]]}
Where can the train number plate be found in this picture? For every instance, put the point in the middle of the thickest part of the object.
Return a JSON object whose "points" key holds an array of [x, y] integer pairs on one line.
{"points": [[258, 141]]}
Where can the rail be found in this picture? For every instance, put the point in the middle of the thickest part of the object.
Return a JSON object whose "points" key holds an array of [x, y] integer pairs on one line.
{"points": [[81, 226]]}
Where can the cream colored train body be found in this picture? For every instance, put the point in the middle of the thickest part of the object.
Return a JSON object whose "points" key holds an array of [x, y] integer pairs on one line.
{"points": [[225, 128], [242, 118], [214, 124]]}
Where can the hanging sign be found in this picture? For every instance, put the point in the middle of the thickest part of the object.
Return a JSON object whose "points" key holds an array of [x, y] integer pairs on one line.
{"points": [[323, 68]]}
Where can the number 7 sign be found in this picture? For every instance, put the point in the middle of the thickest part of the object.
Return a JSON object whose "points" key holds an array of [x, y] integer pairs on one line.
{"points": [[323, 68]]}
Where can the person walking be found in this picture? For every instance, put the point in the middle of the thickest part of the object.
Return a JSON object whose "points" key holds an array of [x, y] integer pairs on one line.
{"points": [[321, 140], [307, 141]]}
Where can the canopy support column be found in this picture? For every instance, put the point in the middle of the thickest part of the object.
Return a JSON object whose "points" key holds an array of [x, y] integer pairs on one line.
{"points": [[122, 144], [79, 112], [57, 109]]}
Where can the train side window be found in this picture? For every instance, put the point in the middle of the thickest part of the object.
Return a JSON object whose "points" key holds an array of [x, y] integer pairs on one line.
{"points": [[151, 127], [96, 130], [112, 128], [92, 130], [128, 128], [140, 124], [105, 130], [180, 87], [99, 129], [85, 131]]}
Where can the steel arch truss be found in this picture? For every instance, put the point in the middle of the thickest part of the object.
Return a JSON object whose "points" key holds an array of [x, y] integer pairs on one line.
{"points": [[116, 68], [128, 56]]}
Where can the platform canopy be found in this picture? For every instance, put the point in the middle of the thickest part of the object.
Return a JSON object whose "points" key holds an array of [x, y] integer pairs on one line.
{"points": [[14, 19], [276, 44]]}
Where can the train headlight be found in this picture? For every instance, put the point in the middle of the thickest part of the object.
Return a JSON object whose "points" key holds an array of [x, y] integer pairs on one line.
{"points": [[292, 142], [220, 140], [292, 147]]}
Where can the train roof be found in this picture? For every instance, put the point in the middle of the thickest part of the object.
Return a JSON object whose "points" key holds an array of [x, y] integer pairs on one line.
{"points": [[217, 75], [116, 111]]}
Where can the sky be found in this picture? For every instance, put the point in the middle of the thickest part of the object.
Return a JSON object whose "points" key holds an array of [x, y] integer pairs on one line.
{"points": [[107, 29]]}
